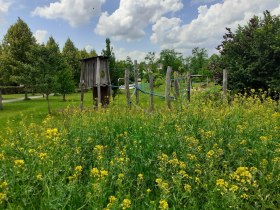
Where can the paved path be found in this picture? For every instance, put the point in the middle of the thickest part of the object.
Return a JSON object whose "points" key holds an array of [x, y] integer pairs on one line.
{"points": [[21, 99]]}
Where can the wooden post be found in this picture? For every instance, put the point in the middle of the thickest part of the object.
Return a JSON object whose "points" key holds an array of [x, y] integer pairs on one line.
{"points": [[176, 84], [82, 95], [98, 80], [225, 84], [189, 86], [151, 78], [136, 82], [127, 92], [168, 87]]}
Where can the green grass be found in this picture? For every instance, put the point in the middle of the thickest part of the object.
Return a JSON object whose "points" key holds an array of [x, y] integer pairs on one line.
{"points": [[36, 109], [201, 155], [15, 96]]}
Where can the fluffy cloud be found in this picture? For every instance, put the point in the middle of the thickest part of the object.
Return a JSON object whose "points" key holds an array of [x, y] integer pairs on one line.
{"points": [[75, 12], [122, 53], [4, 7], [208, 28], [133, 16], [41, 36]]}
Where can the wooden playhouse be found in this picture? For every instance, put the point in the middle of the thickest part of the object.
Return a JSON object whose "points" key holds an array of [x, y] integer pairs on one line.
{"points": [[95, 75]]}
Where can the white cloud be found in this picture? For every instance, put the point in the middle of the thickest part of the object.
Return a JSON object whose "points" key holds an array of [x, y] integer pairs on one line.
{"points": [[121, 54], [41, 36], [208, 28], [75, 12], [129, 21], [4, 8], [89, 48]]}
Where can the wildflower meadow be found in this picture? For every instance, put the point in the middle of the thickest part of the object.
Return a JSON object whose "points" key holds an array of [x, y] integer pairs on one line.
{"points": [[205, 154]]}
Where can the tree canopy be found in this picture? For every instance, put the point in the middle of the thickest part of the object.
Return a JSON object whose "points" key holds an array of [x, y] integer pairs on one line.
{"points": [[252, 54]]}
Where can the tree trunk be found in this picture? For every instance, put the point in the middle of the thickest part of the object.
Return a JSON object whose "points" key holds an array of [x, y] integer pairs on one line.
{"points": [[63, 98], [49, 106], [1, 102], [25, 94]]}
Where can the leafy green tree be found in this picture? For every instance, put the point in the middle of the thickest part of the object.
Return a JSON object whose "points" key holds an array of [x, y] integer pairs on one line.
{"points": [[48, 61], [71, 54], [215, 67], [65, 81], [171, 58], [114, 72], [197, 62], [17, 42], [252, 54]]}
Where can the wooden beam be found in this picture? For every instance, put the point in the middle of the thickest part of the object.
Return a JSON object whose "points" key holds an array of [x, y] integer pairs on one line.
{"points": [[127, 92], [168, 87], [136, 82]]}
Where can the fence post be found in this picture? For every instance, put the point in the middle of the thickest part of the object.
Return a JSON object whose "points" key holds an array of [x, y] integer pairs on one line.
{"points": [[136, 81], [225, 84], [176, 84], [98, 81], [151, 78], [189, 86], [127, 92], [168, 87], [82, 95]]}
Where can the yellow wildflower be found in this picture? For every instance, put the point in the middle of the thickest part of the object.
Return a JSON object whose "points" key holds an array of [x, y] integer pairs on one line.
{"points": [[233, 188], [187, 187], [221, 183], [126, 203], [103, 173], [163, 204], [19, 163], [78, 169], [94, 172], [244, 196], [39, 177], [3, 197], [112, 199]]}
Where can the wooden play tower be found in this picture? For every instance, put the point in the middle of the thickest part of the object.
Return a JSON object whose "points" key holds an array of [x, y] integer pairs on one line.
{"points": [[95, 75]]}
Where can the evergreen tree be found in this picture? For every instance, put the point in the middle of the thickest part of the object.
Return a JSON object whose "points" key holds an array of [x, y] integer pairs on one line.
{"points": [[72, 57], [17, 42], [114, 72]]}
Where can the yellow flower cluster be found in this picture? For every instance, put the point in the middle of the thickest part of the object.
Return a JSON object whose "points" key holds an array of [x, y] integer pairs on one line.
{"points": [[77, 173], [3, 191], [99, 149], [126, 203], [51, 133], [242, 174], [163, 204], [96, 173], [162, 185], [19, 163]]}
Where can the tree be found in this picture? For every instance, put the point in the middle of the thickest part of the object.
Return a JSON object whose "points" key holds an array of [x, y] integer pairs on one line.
{"points": [[48, 61], [252, 54], [171, 58], [215, 67], [65, 81], [16, 44], [114, 73], [197, 62], [71, 55]]}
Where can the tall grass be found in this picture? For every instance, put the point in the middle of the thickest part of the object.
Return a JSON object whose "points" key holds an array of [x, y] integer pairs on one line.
{"points": [[200, 155]]}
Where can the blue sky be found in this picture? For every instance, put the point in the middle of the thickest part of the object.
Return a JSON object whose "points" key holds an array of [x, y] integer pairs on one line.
{"points": [[135, 27]]}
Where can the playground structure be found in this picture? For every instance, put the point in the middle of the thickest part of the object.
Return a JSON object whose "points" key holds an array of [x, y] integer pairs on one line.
{"points": [[95, 75]]}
